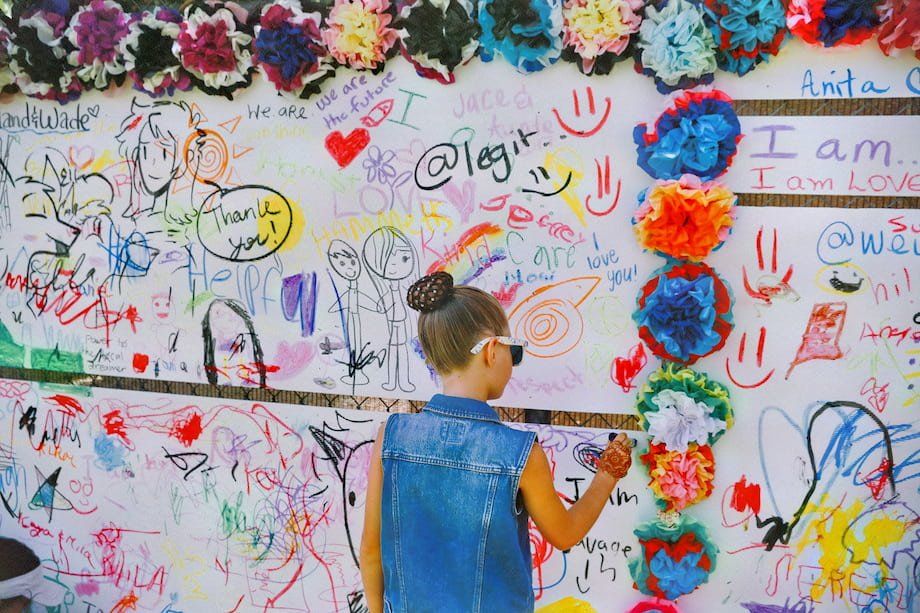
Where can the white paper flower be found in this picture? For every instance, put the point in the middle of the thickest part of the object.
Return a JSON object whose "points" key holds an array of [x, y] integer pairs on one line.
{"points": [[680, 421]]}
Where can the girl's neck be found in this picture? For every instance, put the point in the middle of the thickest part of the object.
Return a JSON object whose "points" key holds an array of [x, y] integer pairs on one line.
{"points": [[465, 386]]}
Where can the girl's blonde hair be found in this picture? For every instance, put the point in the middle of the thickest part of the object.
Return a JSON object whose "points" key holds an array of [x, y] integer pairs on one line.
{"points": [[454, 321], [448, 332]]}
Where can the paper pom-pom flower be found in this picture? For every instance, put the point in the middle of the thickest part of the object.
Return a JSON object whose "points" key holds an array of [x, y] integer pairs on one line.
{"points": [[149, 53], [832, 22], [289, 49], [215, 49], [527, 33], [678, 406], [597, 33], [655, 605], [673, 560], [38, 56], [679, 479], [698, 135], [684, 312], [684, 219], [358, 33], [7, 79], [96, 32], [437, 36], [746, 32], [900, 27], [675, 45]]}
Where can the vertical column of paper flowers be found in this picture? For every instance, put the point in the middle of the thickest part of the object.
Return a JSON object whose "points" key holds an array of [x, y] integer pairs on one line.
{"points": [[684, 312]]}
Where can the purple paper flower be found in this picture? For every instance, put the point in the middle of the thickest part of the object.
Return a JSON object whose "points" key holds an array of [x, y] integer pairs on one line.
{"points": [[96, 32], [215, 49]]}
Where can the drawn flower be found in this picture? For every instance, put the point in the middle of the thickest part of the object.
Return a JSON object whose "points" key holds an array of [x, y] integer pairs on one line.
{"points": [[527, 33], [832, 22], [378, 166], [675, 46], [215, 49], [674, 560], [38, 53], [149, 53], [655, 605], [358, 33], [678, 406], [437, 36], [679, 479], [685, 312], [900, 27], [289, 49], [697, 134], [96, 32], [597, 33], [684, 219], [746, 32]]}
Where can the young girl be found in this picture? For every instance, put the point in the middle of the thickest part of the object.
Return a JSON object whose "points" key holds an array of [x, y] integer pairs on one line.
{"points": [[22, 580], [451, 488]]}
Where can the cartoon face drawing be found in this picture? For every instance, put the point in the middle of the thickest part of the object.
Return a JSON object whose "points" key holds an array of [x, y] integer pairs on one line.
{"points": [[157, 157], [344, 259], [400, 263]]}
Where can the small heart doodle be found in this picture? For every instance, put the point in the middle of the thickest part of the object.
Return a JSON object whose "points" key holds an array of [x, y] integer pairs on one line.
{"points": [[344, 149]]}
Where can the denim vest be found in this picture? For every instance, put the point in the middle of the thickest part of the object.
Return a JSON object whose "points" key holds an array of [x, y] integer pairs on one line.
{"points": [[454, 535]]}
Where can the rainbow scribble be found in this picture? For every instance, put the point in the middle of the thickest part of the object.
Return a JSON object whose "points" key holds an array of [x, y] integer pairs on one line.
{"points": [[470, 255]]}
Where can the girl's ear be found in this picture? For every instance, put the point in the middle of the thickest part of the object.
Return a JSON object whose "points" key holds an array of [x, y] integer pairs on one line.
{"points": [[488, 352]]}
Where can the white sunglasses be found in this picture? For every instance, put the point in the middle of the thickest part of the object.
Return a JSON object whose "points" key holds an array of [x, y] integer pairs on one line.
{"points": [[517, 347]]}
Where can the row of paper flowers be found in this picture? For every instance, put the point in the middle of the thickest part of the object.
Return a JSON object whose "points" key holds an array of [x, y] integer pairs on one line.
{"points": [[50, 51]]}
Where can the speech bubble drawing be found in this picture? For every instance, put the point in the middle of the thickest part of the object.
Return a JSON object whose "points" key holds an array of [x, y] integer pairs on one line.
{"points": [[244, 223]]}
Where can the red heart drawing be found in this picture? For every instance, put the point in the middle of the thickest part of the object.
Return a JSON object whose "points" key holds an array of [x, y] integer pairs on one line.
{"points": [[344, 149]]}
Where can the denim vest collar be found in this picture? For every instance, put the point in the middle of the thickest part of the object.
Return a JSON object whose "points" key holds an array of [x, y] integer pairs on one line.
{"points": [[457, 406]]}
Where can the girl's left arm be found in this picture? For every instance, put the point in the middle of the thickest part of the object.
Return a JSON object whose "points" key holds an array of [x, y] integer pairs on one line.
{"points": [[371, 567]]}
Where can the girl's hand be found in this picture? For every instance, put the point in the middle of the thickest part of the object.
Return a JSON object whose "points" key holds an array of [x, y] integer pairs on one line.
{"points": [[617, 457]]}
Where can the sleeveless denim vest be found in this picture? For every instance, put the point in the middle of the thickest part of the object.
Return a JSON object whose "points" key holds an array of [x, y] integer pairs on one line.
{"points": [[454, 533]]}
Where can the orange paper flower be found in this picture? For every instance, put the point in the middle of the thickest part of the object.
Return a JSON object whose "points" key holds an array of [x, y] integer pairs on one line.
{"points": [[685, 219], [680, 480]]}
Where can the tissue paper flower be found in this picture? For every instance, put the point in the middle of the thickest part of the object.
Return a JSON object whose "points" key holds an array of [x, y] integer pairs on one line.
{"points": [[38, 53], [597, 33], [7, 78], [149, 53], [697, 134], [96, 33], [289, 49], [527, 33], [746, 32], [675, 46], [358, 33], [832, 22], [679, 479], [673, 560], [900, 26], [655, 605], [215, 49], [684, 219], [437, 36], [684, 312], [679, 406]]}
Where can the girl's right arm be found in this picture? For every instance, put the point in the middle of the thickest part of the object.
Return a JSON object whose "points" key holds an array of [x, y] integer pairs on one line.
{"points": [[562, 527]]}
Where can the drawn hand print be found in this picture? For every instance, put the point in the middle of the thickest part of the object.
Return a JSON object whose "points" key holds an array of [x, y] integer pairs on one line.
{"points": [[591, 114], [768, 286]]}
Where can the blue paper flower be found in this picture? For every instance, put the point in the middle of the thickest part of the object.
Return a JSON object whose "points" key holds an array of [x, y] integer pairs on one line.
{"points": [[832, 22], [684, 312], [527, 33], [675, 46], [746, 32], [697, 135], [676, 578]]}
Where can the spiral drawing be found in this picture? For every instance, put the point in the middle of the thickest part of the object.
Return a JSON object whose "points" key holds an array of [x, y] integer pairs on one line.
{"points": [[207, 155], [549, 318]]}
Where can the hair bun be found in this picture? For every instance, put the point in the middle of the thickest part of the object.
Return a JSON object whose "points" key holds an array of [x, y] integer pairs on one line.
{"points": [[430, 292]]}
